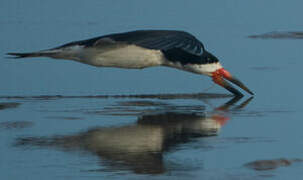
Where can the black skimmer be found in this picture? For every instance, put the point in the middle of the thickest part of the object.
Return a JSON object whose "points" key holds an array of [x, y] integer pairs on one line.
{"points": [[145, 48]]}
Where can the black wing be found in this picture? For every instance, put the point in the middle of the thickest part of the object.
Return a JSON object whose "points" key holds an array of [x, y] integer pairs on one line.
{"points": [[177, 46], [161, 40]]}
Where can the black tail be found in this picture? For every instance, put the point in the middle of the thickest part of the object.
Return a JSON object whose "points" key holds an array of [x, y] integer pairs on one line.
{"points": [[24, 55], [45, 53]]}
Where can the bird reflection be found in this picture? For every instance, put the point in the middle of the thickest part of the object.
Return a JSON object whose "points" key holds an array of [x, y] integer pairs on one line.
{"points": [[139, 147]]}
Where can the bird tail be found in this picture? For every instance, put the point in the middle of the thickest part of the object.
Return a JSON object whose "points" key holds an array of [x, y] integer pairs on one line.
{"points": [[23, 55], [45, 53]]}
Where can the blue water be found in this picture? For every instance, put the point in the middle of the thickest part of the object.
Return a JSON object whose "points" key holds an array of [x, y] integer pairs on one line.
{"points": [[86, 134]]}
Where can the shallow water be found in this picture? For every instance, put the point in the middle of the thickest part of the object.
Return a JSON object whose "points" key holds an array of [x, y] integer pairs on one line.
{"points": [[65, 120]]}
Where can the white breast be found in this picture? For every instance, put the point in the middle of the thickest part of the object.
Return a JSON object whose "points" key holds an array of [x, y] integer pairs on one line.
{"points": [[130, 56]]}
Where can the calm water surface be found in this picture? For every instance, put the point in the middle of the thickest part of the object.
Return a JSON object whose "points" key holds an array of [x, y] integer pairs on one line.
{"points": [[65, 120]]}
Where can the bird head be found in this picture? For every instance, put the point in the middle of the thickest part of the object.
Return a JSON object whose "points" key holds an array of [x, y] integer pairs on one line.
{"points": [[215, 70]]}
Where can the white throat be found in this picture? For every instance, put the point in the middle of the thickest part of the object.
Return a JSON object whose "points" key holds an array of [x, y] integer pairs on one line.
{"points": [[206, 69]]}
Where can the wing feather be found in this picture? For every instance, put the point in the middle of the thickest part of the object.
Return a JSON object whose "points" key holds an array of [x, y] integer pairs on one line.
{"points": [[161, 40], [176, 45]]}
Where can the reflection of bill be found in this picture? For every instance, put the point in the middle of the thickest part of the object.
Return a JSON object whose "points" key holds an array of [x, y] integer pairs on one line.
{"points": [[139, 147]]}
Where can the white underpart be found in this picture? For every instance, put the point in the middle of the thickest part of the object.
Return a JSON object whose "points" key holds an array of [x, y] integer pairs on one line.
{"points": [[130, 56], [70, 53]]}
